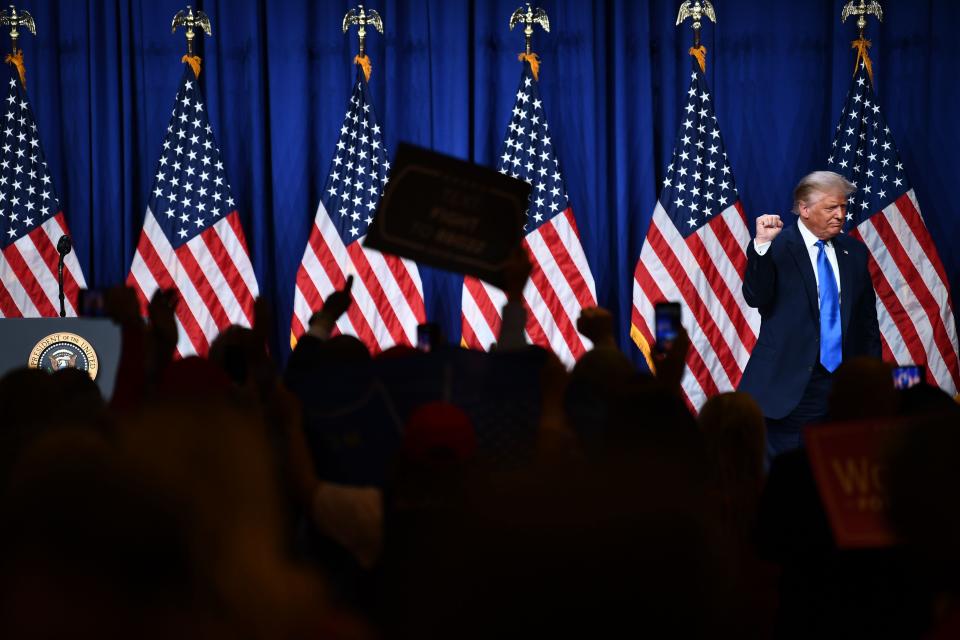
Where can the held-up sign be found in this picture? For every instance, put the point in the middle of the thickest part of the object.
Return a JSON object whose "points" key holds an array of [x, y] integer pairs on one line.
{"points": [[847, 463], [447, 213]]}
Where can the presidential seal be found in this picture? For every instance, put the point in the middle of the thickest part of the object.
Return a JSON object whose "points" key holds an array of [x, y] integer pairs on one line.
{"points": [[62, 351]]}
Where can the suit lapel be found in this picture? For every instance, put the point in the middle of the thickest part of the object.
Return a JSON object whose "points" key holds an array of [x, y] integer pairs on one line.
{"points": [[846, 283], [802, 257]]}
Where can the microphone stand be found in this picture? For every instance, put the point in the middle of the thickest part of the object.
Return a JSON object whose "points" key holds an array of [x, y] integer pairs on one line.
{"points": [[63, 311]]}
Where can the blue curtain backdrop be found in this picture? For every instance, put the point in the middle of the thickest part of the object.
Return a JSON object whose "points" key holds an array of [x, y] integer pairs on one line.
{"points": [[102, 75]]}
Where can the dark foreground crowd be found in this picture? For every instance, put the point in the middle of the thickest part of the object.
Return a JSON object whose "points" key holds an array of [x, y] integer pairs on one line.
{"points": [[211, 498]]}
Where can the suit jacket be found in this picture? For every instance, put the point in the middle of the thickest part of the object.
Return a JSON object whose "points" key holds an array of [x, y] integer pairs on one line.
{"points": [[781, 284]]}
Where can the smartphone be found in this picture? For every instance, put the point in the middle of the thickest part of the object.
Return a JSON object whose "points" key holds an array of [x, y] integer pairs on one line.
{"points": [[908, 375], [427, 336], [666, 322], [91, 303]]}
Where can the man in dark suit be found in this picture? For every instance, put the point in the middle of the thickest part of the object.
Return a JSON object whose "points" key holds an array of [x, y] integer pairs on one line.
{"points": [[816, 301]]}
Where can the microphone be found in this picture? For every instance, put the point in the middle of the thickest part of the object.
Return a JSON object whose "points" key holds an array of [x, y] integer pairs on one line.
{"points": [[64, 246]]}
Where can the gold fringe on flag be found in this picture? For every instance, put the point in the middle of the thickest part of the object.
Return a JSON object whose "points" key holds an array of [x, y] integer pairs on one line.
{"points": [[861, 45], [644, 347], [364, 62], [194, 62], [534, 62], [16, 59], [700, 53]]}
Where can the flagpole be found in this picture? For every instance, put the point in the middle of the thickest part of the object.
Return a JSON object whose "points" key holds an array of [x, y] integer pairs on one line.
{"points": [[528, 18], [696, 10], [191, 19], [861, 44], [14, 19], [361, 18]]}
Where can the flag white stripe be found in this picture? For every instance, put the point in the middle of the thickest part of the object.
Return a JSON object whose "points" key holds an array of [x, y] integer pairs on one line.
{"points": [[41, 272], [147, 284], [915, 312], [702, 287], [575, 250], [218, 282], [472, 314], [15, 288], [238, 255], [180, 277], [698, 339], [362, 299]]}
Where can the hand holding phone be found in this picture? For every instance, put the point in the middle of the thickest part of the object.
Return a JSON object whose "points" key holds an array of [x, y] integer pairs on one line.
{"points": [[428, 336], [667, 324], [91, 303], [908, 375]]}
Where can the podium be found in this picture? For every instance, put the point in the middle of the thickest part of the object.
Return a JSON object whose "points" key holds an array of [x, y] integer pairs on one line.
{"points": [[91, 344]]}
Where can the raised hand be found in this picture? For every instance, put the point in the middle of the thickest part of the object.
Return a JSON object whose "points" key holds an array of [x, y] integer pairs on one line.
{"points": [[768, 227]]}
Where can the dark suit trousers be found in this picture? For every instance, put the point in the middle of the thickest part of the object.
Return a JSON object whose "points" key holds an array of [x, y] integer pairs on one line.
{"points": [[784, 434]]}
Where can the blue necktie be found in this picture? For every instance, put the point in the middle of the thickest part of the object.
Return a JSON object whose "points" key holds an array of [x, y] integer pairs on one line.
{"points": [[831, 338]]}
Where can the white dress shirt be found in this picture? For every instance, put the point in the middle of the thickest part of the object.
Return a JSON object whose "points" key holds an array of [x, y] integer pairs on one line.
{"points": [[810, 241]]}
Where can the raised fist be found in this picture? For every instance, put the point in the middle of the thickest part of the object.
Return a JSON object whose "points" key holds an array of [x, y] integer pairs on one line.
{"points": [[768, 227]]}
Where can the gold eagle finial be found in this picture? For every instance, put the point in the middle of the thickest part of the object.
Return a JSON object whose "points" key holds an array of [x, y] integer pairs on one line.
{"points": [[529, 17], [14, 19], [191, 19], [861, 10], [696, 10], [362, 18]]}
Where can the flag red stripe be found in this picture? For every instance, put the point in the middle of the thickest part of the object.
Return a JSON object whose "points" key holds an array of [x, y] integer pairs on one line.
{"points": [[490, 313], [165, 281], [573, 221], [721, 291], [51, 257], [29, 283], [912, 217], [308, 290], [888, 298], [567, 331], [694, 303], [384, 309], [920, 290], [535, 329], [696, 364], [231, 274], [469, 337], [407, 286], [207, 295], [728, 240], [8, 307], [323, 254], [567, 266]]}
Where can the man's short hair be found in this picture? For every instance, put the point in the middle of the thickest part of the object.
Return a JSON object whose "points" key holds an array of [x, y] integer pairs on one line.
{"points": [[824, 182]]}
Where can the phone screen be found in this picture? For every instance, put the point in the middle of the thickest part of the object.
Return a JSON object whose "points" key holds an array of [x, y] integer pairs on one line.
{"points": [[425, 337], [91, 303], [908, 375], [666, 318]]}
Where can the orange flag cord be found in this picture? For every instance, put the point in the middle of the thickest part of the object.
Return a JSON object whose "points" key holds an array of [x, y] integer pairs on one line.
{"points": [[700, 53], [862, 45], [16, 59], [194, 62], [364, 62], [534, 62]]}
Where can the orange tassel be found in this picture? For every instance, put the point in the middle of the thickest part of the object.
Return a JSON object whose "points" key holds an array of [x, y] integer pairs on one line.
{"points": [[861, 45], [700, 53], [534, 62], [16, 59], [194, 62], [364, 62]]}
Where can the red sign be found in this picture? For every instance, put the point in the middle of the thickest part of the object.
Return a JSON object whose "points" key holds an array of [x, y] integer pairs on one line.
{"points": [[847, 462]]}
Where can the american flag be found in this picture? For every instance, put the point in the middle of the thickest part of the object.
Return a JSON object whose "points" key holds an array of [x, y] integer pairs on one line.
{"points": [[913, 296], [561, 283], [387, 292], [694, 253], [31, 221], [192, 240]]}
